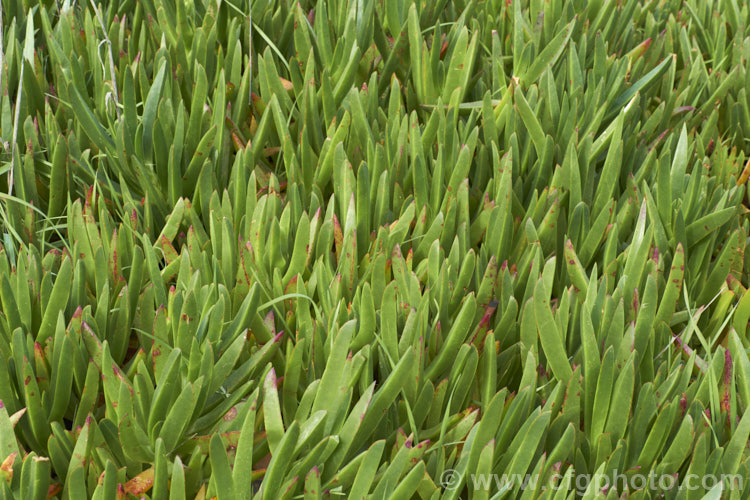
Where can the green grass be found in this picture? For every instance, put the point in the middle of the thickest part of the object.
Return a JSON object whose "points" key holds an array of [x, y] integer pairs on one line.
{"points": [[374, 249]]}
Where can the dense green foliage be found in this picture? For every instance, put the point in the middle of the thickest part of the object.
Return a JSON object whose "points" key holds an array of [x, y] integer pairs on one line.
{"points": [[360, 248]]}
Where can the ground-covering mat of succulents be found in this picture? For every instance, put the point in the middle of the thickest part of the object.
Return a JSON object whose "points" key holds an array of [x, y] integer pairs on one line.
{"points": [[282, 249]]}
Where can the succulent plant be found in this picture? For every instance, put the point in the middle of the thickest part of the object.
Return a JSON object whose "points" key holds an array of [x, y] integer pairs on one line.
{"points": [[374, 249]]}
